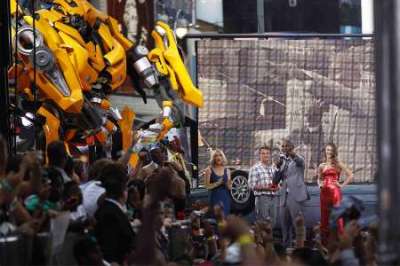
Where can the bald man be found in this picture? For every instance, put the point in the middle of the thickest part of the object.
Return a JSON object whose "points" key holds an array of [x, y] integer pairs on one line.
{"points": [[293, 192]]}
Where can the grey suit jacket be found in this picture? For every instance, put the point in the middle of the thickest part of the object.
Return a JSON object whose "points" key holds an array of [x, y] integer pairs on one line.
{"points": [[291, 176]]}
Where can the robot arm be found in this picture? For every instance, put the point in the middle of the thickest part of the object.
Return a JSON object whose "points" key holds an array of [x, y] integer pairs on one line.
{"points": [[163, 61], [177, 73]]}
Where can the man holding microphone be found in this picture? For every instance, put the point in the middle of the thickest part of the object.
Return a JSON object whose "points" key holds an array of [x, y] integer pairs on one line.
{"points": [[293, 191]]}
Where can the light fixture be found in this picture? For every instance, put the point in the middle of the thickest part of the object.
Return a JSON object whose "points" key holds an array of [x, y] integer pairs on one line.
{"points": [[182, 28]]}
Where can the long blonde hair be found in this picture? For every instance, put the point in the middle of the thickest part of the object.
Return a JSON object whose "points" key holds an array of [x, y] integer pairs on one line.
{"points": [[214, 153]]}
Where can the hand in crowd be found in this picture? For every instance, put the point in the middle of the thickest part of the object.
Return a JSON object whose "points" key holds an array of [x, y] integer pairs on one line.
{"points": [[292, 153], [263, 235], [220, 217], [29, 167], [345, 241], [239, 231], [30, 228], [352, 230], [174, 165], [209, 233], [200, 206], [317, 240], [159, 185], [371, 245], [300, 231]]}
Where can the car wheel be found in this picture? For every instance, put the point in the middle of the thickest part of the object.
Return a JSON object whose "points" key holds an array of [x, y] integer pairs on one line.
{"points": [[241, 195]]}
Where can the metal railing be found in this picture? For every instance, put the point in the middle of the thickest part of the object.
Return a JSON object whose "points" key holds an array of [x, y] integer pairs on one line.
{"points": [[213, 35]]}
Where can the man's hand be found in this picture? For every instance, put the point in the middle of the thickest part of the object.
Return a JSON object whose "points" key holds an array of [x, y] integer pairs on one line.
{"points": [[292, 153], [159, 183], [351, 231], [219, 213], [266, 231], [272, 188], [269, 188], [29, 162], [53, 214], [279, 163], [174, 165], [208, 229], [30, 228]]}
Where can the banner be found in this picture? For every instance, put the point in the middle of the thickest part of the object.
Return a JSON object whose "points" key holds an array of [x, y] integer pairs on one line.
{"points": [[312, 91]]}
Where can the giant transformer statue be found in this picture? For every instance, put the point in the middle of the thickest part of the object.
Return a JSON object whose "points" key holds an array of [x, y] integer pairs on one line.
{"points": [[76, 56]]}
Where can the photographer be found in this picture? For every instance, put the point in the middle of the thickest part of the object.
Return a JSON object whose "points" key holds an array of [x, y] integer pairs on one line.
{"points": [[356, 245]]}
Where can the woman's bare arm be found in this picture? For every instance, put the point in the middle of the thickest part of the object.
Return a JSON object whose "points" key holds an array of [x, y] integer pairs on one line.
{"points": [[347, 171], [319, 174], [229, 180]]}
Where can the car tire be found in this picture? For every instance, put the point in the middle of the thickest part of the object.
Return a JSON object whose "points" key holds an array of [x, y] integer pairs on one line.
{"points": [[242, 197]]}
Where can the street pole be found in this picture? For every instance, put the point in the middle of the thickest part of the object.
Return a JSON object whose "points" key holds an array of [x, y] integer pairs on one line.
{"points": [[260, 16], [5, 59], [367, 16], [387, 56], [194, 15]]}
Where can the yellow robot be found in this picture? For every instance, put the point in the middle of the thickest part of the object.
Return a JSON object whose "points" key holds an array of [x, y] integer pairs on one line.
{"points": [[76, 56]]}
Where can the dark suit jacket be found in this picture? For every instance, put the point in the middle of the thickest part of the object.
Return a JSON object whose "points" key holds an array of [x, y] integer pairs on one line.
{"points": [[113, 232]]}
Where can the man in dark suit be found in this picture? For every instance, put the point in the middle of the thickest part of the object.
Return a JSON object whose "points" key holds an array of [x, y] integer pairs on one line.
{"points": [[113, 230], [293, 192]]}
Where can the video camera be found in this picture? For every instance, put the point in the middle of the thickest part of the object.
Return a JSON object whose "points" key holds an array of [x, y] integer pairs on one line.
{"points": [[351, 208], [365, 222]]}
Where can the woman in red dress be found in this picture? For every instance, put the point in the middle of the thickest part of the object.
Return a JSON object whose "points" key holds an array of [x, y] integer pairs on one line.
{"points": [[328, 180]]}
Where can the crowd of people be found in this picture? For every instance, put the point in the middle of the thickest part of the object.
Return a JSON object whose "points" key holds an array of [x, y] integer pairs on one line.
{"points": [[142, 216]]}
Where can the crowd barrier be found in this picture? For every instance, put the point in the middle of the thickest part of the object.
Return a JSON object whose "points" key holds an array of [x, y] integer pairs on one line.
{"points": [[20, 249]]}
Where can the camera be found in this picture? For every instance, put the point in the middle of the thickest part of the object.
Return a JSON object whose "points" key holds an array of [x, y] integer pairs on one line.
{"points": [[350, 208], [365, 222]]}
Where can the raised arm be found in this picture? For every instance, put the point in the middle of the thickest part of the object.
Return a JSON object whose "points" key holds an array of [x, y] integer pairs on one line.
{"points": [[347, 171], [35, 172], [298, 160], [278, 175]]}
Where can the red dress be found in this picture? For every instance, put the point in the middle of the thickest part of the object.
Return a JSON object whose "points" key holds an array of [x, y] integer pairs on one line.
{"points": [[330, 196]]}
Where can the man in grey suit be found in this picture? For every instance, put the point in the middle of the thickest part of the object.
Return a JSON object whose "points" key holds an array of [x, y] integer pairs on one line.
{"points": [[293, 191]]}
